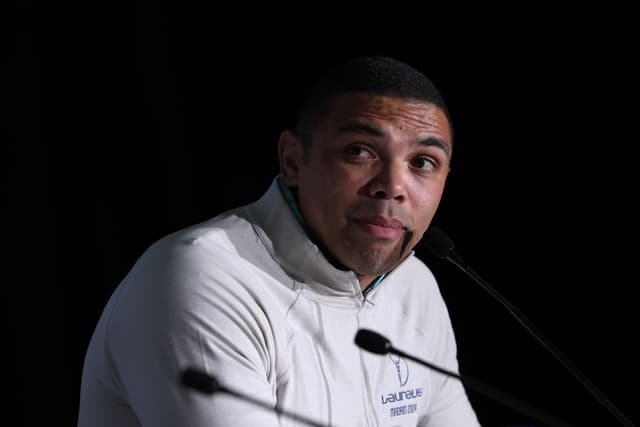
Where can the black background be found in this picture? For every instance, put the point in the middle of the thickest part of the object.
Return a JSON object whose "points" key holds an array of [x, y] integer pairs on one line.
{"points": [[129, 121]]}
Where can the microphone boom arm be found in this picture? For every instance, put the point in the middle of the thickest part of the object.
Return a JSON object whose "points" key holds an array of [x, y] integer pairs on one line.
{"points": [[443, 247], [543, 340], [208, 384]]}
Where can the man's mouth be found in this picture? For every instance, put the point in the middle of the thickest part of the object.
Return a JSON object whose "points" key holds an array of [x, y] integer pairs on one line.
{"points": [[381, 227]]}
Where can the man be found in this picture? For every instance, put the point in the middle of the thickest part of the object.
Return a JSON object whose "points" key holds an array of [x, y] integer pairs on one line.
{"points": [[268, 297]]}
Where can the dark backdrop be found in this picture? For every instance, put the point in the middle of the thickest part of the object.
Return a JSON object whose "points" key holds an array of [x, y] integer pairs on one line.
{"points": [[130, 121]]}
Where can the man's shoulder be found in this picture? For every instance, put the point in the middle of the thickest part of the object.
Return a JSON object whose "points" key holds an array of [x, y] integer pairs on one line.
{"points": [[223, 237], [222, 252], [209, 233]]}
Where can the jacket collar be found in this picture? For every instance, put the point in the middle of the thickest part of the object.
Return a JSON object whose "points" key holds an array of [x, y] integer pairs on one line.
{"points": [[287, 241]]}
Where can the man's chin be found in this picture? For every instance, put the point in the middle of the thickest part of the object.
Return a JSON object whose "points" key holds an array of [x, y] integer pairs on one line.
{"points": [[376, 265]]}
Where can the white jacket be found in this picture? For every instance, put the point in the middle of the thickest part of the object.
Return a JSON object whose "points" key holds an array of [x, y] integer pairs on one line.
{"points": [[248, 298]]}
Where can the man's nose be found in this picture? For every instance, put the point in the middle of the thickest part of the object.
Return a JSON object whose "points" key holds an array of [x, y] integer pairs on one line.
{"points": [[389, 182]]}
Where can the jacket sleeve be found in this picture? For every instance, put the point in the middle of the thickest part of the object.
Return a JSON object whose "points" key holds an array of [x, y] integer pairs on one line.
{"points": [[190, 309]]}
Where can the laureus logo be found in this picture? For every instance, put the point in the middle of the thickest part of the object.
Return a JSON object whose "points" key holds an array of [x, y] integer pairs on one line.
{"points": [[401, 368]]}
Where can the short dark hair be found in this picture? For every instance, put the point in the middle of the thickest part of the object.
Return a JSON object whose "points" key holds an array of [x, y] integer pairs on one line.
{"points": [[377, 75]]}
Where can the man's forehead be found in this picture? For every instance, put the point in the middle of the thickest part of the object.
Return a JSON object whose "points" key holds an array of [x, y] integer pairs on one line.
{"points": [[383, 106], [362, 110]]}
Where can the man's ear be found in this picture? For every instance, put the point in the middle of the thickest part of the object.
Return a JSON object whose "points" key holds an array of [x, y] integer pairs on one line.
{"points": [[290, 152]]}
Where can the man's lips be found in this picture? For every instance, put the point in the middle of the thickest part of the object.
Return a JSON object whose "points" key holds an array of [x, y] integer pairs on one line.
{"points": [[382, 227], [382, 221]]}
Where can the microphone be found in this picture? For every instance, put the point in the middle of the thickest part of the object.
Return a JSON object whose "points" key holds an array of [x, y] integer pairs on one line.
{"points": [[441, 246], [208, 384], [378, 344]]}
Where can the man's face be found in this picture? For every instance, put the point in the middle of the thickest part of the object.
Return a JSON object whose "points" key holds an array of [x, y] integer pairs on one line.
{"points": [[373, 178]]}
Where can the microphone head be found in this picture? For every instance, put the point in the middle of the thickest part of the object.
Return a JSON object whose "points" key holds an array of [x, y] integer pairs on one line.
{"points": [[438, 243], [372, 341], [200, 381]]}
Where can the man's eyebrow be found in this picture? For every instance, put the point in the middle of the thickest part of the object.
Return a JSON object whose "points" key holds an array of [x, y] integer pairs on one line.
{"points": [[369, 129], [436, 142], [361, 127]]}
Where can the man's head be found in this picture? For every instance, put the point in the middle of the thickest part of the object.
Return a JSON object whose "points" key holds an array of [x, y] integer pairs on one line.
{"points": [[375, 75], [369, 160]]}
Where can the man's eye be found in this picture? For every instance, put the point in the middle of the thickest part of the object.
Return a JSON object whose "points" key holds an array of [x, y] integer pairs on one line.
{"points": [[358, 151], [424, 163]]}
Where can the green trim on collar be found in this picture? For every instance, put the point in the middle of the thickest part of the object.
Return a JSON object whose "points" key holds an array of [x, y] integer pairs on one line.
{"points": [[373, 285], [291, 201]]}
